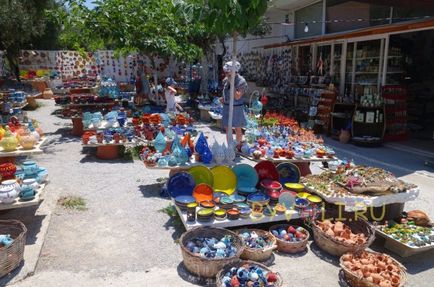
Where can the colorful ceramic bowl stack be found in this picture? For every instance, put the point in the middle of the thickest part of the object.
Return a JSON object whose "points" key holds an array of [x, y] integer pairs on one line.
{"points": [[183, 200], [205, 214]]}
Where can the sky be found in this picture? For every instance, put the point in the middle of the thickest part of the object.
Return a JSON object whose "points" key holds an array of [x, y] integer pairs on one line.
{"points": [[89, 3]]}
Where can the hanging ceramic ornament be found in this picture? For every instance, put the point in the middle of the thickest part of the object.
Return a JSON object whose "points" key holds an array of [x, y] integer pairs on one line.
{"points": [[160, 142], [230, 154]]}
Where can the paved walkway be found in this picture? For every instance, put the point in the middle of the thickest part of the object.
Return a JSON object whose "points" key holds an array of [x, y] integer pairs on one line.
{"points": [[123, 240]]}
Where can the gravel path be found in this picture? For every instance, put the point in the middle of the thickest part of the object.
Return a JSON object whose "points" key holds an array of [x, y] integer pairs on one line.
{"points": [[122, 239]]}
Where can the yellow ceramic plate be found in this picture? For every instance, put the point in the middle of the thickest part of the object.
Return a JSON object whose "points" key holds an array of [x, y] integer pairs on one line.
{"points": [[297, 187], [225, 179], [303, 195], [314, 198]]}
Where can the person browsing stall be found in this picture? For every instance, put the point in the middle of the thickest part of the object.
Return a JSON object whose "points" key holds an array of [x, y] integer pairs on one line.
{"points": [[238, 118], [170, 94]]}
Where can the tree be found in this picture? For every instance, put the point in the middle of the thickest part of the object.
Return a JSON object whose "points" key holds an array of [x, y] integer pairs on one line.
{"points": [[233, 17], [20, 22], [147, 27]]}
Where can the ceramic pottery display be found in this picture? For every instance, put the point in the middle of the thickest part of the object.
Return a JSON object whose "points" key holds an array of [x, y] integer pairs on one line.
{"points": [[201, 144], [374, 268], [218, 153], [8, 194], [160, 142], [34, 132], [9, 141], [290, 234], [341, 232], [249, 275], [252, 240], [230, 154], [27, 140], [30, 168], [212, 247], [7, 170]]}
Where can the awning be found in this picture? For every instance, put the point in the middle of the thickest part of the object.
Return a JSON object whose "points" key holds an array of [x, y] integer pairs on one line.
{"points": [[407, 26]]}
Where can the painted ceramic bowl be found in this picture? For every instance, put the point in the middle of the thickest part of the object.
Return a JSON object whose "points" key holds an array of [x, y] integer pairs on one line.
{"points": [[301, 203], [271, 184], [233, 214], [303, 195], [207, 204], [297, 187], [220, 214], [245, 212], [280, 208], [238, 198], [314, 199]]}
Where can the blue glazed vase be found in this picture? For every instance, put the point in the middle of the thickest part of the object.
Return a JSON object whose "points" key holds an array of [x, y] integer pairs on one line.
{"points": [[206, 155], [201, 144], [160, 142], [29, 167]]}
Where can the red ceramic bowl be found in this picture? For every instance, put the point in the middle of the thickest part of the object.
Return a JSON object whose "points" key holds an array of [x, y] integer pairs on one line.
{"points": [[271, 184]]}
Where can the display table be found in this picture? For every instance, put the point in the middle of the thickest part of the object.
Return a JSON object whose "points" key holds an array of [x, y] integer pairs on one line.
{"points": [[217, 118], [204, 113], [289, 215], [107, 151], [9, 156], [400, 248], [359, 202], [39, 196], [303, 164]]}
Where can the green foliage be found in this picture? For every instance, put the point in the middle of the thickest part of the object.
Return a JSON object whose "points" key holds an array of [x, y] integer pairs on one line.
{"points": [[21, 22], [73, 202], [148, 27]]}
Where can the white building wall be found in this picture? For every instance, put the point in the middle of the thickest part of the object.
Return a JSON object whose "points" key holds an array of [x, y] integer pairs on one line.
{"points": [[278, 34]]}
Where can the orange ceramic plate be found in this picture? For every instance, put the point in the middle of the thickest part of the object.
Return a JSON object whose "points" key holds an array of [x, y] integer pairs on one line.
{"points": [[203, 192]]}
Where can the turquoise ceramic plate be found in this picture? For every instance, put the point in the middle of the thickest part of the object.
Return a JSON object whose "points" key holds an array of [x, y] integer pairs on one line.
{"points": [[246, 176]]}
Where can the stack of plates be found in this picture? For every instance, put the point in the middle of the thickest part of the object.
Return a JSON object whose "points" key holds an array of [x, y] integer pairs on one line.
{"points": [[183, 200]]}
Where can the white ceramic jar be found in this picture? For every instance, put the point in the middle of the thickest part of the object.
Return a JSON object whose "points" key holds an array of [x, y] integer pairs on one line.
{"points": [[8, 193], [31, 182]]}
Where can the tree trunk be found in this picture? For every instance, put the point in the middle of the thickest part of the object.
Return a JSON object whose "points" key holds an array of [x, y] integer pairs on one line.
{"points": [[13, 64], [232, 91], [222, 41]]}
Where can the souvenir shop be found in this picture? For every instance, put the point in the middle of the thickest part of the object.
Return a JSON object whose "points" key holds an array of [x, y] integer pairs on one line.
{"points": [[380, 77]]}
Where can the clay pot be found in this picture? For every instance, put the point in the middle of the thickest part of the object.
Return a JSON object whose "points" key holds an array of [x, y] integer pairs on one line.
{"points": [[100, 137], [27, 141]]}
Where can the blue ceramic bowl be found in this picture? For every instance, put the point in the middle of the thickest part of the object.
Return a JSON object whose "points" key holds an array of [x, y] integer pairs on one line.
{"points": [[301, 202]]}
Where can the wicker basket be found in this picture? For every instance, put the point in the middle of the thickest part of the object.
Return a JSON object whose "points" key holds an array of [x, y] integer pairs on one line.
{"points": [[355, 281], [11, 256], [205, 267], [238, 264], [290, 247], [334, 247], [256, 254]]}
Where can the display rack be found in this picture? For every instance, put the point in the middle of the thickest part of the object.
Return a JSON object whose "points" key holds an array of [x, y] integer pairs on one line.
{"points": [[18, 203], [341, 118], [288, 215], [324, 109], [23, 152], [395, 99], [368, 125]]}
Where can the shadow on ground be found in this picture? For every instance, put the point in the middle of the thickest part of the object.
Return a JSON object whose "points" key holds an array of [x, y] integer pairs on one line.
{"points": [[193, 279]]}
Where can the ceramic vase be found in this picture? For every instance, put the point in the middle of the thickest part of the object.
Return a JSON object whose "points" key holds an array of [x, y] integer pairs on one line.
{"points": [[8, 194], [201, 144], [27, 140], [160, 142], [30, 168], [9, 141], [206, 156], [230, 154], [219, 154]]}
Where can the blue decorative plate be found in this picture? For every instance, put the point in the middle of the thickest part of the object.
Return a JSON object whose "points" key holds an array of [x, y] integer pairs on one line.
{"points": [[181, 183], [246, 175], [288, 173]]}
